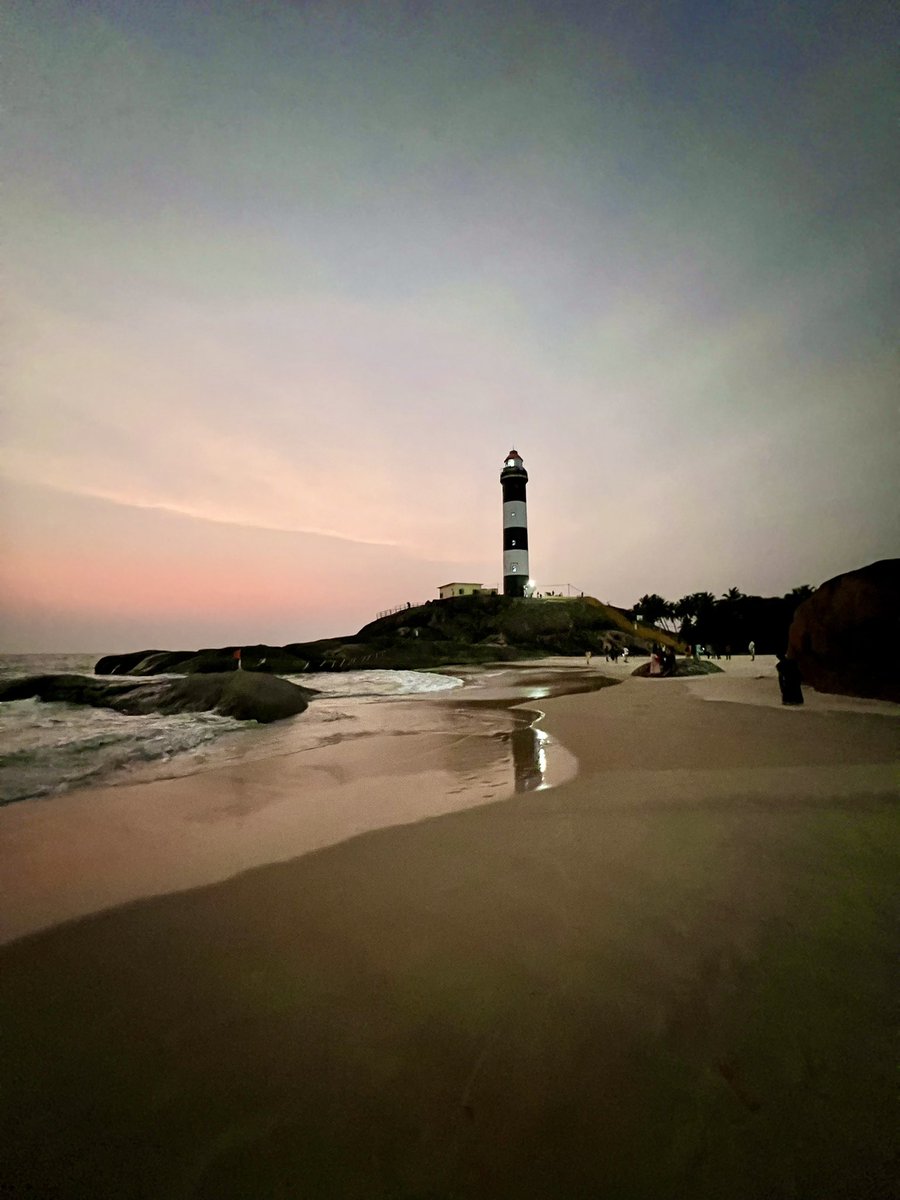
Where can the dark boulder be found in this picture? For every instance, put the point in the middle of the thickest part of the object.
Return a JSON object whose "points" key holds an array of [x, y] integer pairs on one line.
{"points": [[846, 637], [683, 667], [245, 695]]}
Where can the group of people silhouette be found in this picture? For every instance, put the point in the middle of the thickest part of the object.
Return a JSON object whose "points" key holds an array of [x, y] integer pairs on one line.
{"points": [[662, 663]]}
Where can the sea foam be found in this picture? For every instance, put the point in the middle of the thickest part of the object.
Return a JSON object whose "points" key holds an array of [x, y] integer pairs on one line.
{"points": [[50, 747]]}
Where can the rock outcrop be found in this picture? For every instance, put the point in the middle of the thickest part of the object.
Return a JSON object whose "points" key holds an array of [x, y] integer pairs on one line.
{"points": [[241, 694], [683, 667], [464, 629], [264, 660], [562, 625], [846, 637]]}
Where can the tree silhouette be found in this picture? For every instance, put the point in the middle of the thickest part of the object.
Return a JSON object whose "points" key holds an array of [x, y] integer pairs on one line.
{"points": [[801, 593], [696, 612], [655, 610], [734, 619]]}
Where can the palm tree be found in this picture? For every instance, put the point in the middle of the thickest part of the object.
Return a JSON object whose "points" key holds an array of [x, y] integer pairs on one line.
{"points": [[655, 610], [803, 592], [685, 610], [733, 595], [651, 607], [703, 601], [695, 612]]}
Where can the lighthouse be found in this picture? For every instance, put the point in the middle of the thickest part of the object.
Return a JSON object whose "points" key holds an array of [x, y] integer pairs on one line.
{"points": [[513, 479]]}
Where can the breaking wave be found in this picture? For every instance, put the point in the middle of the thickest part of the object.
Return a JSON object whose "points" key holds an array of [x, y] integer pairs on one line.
{"points": [[51, 747]]}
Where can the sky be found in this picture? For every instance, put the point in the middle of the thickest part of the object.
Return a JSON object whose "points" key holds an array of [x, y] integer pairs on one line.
{"points": [[285, 282]]}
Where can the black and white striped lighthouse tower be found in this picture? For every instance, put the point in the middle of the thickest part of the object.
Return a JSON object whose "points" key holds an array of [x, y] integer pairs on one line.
{"points": [[513, 479]]}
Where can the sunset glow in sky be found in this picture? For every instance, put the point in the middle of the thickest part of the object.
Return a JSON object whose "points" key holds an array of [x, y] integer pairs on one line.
{"points": [[286, 281]]}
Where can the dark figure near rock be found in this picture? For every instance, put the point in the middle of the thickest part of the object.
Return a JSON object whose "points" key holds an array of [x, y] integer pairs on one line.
{"points": [[789, 680]]}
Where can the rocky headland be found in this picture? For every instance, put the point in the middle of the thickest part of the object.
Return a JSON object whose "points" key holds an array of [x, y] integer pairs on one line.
{"points": [[461, 630], [845, 638]]}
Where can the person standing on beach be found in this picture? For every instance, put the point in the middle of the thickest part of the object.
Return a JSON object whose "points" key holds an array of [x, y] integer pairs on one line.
{"points": [[752, 650], [237, 660], [587, 658], [789, 680], [625, 654]]}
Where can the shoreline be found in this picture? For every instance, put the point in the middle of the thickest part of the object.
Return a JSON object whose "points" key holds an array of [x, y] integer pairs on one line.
{"points": [[670, 975], [286, 790], [371, 763]]}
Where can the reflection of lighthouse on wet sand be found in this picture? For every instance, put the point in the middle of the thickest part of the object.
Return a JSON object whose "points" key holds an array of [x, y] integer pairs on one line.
{"points": [[529, 757]]}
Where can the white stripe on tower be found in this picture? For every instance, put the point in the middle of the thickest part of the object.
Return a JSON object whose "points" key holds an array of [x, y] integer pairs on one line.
{"points": [[513, 479]]}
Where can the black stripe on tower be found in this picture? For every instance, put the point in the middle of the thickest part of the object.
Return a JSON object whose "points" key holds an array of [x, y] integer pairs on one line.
{"points": [[514, 489], [513, 478]]}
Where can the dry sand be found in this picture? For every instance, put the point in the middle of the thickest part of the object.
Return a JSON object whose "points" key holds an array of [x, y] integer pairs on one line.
{"points": [[669, 976]]}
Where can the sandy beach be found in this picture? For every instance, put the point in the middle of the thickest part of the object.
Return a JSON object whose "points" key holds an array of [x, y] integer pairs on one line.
{"points": [[664, 967]]}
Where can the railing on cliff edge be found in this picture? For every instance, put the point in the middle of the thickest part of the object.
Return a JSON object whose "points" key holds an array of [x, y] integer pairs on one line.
{"points": [[389, 612], [572, 592]]}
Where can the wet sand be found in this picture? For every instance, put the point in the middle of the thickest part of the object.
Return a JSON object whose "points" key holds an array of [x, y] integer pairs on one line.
{"points": [[672, 975], [268, 794]]}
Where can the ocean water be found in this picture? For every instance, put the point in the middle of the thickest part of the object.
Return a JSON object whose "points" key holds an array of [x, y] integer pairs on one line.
{"points": [[46, 748]]}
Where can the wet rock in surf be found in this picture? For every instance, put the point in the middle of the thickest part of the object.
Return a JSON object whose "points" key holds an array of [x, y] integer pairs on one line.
{"points": [[244, 695]]}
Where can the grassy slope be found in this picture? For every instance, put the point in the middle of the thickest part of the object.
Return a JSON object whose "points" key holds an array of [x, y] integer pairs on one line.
{"points": [[478, 629]]}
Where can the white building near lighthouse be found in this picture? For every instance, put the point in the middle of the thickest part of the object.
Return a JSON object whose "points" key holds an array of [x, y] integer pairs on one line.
{"points": [[447, 591]]}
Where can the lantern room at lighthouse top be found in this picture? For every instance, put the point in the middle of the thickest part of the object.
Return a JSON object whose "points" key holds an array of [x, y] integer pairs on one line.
{"points": [[513, 465]]}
